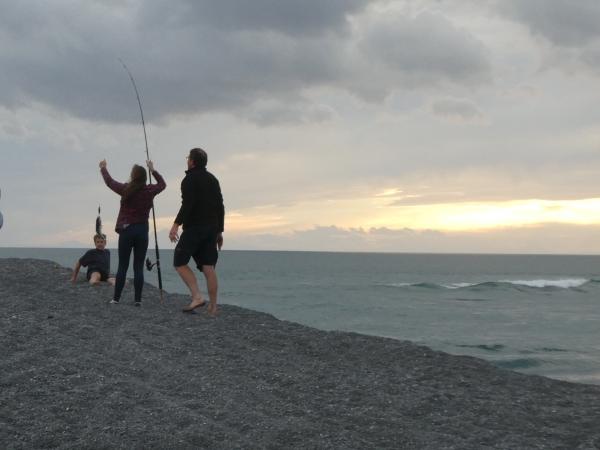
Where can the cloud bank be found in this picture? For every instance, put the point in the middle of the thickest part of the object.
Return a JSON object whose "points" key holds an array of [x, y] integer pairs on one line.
{"points": [[227, 56]]}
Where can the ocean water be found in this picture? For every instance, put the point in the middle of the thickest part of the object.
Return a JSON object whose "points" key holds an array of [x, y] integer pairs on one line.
{"points": [[531, 313]]}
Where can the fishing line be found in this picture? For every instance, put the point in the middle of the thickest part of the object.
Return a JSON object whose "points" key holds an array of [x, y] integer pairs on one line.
{"points": [[149, 264]]}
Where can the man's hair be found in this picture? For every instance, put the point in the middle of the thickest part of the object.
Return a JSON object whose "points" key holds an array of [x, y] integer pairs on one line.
{"points": [[199, 157], [99, 236]]}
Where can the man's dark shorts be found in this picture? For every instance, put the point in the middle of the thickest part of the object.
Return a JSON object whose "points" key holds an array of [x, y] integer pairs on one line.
{"points": [[198, 242], [103, 275]]}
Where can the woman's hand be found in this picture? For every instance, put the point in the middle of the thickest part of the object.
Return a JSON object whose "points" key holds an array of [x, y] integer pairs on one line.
{"points": [[150, 165], [102, 164]]}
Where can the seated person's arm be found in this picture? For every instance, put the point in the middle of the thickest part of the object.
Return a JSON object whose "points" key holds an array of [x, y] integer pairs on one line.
{"points": [[75, 271]]}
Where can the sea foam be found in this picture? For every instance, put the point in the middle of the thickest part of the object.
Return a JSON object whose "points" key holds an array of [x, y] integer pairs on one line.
{"points": [[563, 283]]}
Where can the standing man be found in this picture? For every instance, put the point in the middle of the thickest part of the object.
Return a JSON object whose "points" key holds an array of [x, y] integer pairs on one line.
{"points": [[202, 215]]}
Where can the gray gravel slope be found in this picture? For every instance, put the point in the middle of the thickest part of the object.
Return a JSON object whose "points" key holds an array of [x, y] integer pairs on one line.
{"points": [[76, 372]]}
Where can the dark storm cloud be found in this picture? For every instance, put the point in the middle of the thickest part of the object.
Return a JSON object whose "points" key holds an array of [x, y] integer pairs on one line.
{"points": [[426, 48], [570, 27], [58, 55], [186, 56], [563, 22], [206, 56], [304, 17]]}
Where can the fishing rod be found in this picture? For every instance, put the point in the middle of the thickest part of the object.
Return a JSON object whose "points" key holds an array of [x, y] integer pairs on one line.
{"points": [[149, 264], [1, 218]]}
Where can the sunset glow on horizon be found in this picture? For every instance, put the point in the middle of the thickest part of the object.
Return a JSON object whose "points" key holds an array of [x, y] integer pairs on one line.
{"points": [[372, 213]]}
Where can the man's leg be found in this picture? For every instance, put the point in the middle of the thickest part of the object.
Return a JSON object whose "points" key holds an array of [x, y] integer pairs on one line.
{"points": [[212, 285], [183, 252], [190, 281], [95, 278]]}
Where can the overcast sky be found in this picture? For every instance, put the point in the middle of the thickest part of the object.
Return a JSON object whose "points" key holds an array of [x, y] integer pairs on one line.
{"points": [[350, 125]]}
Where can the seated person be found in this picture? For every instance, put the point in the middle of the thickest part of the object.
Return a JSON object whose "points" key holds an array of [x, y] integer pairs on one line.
{"points": [[97, 261]]}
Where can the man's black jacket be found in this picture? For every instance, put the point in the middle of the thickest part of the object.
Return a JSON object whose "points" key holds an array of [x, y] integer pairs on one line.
{"points": [[201, 200]]}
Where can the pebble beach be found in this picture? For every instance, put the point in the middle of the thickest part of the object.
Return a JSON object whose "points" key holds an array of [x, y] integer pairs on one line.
{"points": [[77, 372]]}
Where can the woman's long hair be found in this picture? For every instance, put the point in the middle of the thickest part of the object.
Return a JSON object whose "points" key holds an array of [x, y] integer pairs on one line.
{"points": [[136, 183]]}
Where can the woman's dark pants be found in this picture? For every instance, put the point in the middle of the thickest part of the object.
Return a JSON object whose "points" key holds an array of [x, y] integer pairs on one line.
{"points": [[134, 237]]}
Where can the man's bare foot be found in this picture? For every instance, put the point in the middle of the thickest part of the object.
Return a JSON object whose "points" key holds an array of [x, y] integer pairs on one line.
{"points": [[212, 309], [197, 302]]}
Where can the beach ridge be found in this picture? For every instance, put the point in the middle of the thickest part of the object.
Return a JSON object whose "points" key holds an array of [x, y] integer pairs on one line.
{"points": [[80, 373]]}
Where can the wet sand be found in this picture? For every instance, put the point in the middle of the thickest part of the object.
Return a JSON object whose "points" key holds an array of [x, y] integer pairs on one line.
{"points": [[77, 372]]}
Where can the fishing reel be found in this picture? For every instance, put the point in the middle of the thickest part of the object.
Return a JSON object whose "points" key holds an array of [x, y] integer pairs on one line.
{"points": [[150, 264]]}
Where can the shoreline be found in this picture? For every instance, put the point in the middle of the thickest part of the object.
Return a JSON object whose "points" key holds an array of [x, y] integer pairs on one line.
{"points": [[544, 254], [81, 373]]}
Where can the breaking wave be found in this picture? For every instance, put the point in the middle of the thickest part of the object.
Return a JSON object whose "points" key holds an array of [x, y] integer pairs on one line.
{"points": [[563, 283]]}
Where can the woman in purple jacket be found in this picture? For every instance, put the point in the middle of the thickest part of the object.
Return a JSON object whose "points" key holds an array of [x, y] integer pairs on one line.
{"points": [[132, 223]]}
